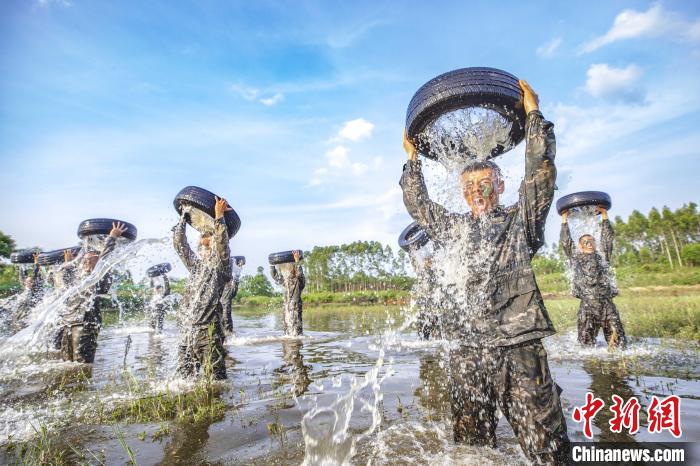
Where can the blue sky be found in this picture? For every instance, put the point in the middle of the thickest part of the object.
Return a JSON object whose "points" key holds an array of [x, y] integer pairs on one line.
{"points": [[294, 111]]}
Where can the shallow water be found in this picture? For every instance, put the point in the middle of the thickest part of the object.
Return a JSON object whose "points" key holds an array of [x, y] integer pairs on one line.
{"points": [[275, 381]]}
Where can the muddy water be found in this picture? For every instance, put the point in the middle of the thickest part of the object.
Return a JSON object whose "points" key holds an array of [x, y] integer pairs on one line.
{"points": [[274, 381]]}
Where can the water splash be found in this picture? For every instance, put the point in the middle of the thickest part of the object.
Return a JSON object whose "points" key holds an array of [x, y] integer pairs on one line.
{"points": [[466, 133]]}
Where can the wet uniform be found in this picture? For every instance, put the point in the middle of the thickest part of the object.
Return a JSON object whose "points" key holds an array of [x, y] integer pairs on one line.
{"points": [[428, 318], [594, 285], [293, 284], [82, 318], [29, 298], [230, 292], [158, 304], [63, 278], [201, 303], [500, 360]]}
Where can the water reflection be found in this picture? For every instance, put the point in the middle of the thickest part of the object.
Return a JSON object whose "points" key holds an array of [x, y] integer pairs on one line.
{"points": [[608, 378], [293, 371]]}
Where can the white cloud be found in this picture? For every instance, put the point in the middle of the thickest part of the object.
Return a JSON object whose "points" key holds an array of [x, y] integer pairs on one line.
{"points": [[275, 99], [357, 129], [253, 94], [612, 83], [338, 157], [548, 49], [655, 22]]}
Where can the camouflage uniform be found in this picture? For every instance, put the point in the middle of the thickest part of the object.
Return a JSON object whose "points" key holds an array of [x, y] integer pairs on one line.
{"points": [[230, 292], [500, 352], [29, 298], [64, 278], [593, 284], [203, 341], [82, 317], [157, 304], [427, 319], [293, 285]]}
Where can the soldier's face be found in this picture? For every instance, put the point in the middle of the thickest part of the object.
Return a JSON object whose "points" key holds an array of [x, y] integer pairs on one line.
{"points": [[481, 189], [205, 242], [587, 244], [90, 261]]}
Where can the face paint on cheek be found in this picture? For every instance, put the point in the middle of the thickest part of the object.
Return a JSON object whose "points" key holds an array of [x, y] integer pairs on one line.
{"points": [[486, 190]]}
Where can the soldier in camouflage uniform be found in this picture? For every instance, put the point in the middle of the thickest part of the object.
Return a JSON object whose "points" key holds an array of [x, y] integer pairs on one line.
{"points": [[81, 319], [230, 292], [293, 283], [63, 278], [30, 297], [161, 290], [498, 358], [202, 333], [593, 284]]}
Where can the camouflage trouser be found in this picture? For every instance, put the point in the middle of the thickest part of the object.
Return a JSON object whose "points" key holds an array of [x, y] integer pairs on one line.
{"points": [[201, 350], [292, 321], [517, 380], [79, 343], [157, 317], [596, 314]]}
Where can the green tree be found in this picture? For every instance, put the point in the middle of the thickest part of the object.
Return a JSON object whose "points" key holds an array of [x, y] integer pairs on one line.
{"points": [[691, 254], [7, 245], [256, 285]]}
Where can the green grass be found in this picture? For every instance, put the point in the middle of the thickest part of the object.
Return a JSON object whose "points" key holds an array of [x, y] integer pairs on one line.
{"points": [[643, 314]]}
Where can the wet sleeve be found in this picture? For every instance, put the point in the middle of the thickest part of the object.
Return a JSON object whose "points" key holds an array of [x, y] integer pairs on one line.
{"points": [[301, 277], [182, 247], [221, 244], [537, 188], [110, 244], [37, 279], [166, 285], [234, 287], [565, 240], [276, 276], [607, 238], [429, 215]]}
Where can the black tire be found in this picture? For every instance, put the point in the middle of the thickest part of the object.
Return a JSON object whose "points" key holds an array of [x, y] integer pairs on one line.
{"points": [[23, 256], [102, 226], [413, 236], [204, 201], [56, 257], [283, 257], [159, 269], [239, 260], [584, 198], [467, 87]]}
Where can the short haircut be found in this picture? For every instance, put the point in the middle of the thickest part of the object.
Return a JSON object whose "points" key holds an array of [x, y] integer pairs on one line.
{"points": [[585, 236], [477, 165]]}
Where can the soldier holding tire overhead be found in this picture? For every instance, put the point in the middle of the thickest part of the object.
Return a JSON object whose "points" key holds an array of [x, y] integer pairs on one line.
{"points": [[81, 319], [160, 284], [286, 271], [592, 280], [201, 345], [497, 359]]}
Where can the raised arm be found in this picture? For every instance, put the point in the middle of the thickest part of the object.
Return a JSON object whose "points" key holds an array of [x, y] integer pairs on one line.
{"points": [[182, 247], [221, 246], [166, 285], [565, 240], [537, 188], [276, 275], [607, 235], [429, 215], [36, 277], [301, 277]]}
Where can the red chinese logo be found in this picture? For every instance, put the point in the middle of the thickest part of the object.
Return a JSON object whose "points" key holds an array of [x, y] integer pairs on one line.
{"points": [[662, 414], [587, 412], [665, 415], [626, 415]]}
